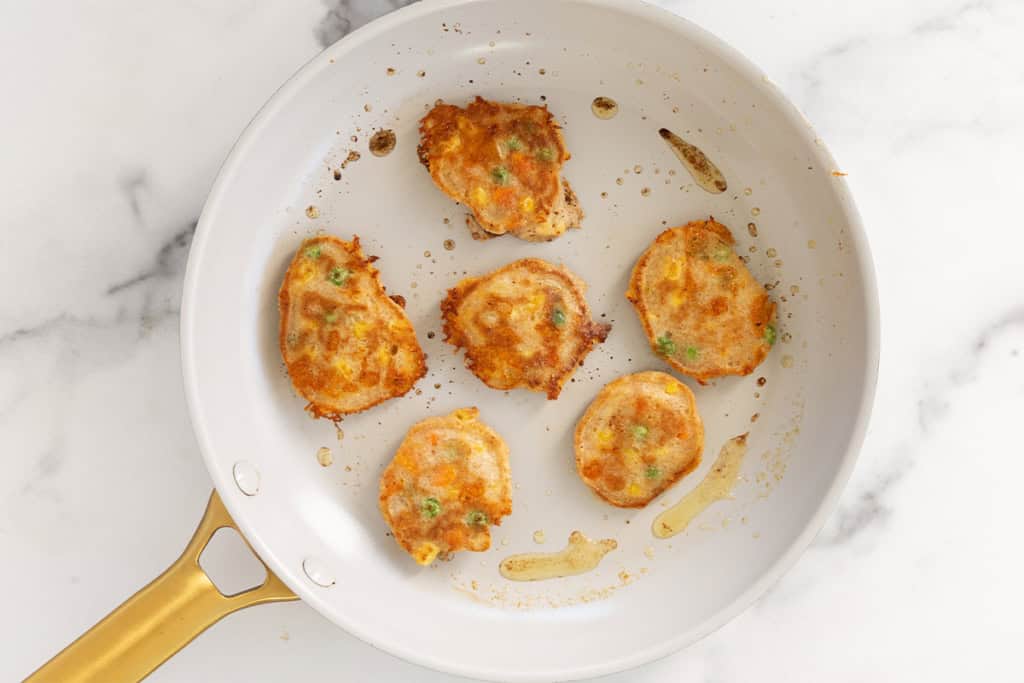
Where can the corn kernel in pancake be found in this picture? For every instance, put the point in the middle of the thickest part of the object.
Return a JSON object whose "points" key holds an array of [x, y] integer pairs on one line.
{"points": [[503, 161], [702, 310], [448, 482], [346, 345], [526, 325], [638, 437]]}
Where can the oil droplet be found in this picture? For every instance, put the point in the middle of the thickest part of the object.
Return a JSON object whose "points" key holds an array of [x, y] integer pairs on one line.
{"points": [[481, 60], [542, 71], [382, 142], [794, 289], [716, 485], [755, 211], [426, 254], [312, 212], [580, 556], [752, 229], [787, 361], [449, 244], [645, 192], [247, 477], [323, 456], [421, 73], [649, 552], [638, 169], [748, 191], [811, 244], [367, 108], [770, 252], [538, 536], [604, 108], [317, 572], [703, 170], [390, 71], [786, 337], [618, 181], [604, 195], [337, 174]]}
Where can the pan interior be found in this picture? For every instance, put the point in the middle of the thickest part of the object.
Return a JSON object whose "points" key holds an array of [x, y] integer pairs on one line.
{"points": [[805, 419]]}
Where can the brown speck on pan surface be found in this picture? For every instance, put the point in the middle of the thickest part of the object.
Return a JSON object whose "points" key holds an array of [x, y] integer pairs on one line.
{"points": [[382, 142], [421, 73], [352, 157], [312, 212], [390, 71], [604, 107]]}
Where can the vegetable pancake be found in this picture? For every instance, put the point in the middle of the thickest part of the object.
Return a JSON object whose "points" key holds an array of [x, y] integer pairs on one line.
{"points": [[448, 482], [702, 310], [502, 161], [525, 325], [347, 346], [639, 436]]}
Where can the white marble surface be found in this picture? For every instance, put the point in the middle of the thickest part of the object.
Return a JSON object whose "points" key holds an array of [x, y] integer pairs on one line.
{"points": [[115, 118]]}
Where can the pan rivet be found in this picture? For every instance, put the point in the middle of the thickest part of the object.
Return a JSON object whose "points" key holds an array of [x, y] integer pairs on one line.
{"points": [[317, 572], [247, 477]]}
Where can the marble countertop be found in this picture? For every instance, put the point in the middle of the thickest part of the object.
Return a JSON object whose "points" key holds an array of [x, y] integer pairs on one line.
{"points": [[115, 120]]}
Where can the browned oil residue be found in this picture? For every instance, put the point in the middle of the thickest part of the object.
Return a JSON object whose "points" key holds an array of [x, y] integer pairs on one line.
{"points": [[382, 142], [580, 556], [604, 107], [352, 156], [449, 244], [703, 170], [716, 485]]}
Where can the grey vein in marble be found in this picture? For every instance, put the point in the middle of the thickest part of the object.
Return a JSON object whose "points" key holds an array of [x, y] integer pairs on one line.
{"points": [[870, 508], [345, 16]]}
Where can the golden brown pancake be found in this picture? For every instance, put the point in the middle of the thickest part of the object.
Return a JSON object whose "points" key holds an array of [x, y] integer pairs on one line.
{"points": [[640, 435], [503, 161], [448, 482], [347, 345], [702, 310], [526, 325]]}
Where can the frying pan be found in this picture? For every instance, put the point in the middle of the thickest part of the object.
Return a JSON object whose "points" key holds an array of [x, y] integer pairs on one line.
{"points": [[317, 528]]}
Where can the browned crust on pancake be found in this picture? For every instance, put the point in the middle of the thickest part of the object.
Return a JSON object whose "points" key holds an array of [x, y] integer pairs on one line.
{"points": [[496, 362], [462, 466], [724, 312], [338, 366], [608, 474], [461, 147]]}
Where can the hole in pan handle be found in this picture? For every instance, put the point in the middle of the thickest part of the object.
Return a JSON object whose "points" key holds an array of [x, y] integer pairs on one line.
{"points": [[149, 627]]}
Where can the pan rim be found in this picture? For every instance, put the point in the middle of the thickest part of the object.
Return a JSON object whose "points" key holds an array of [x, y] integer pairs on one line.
{"points": [[745, 599]]}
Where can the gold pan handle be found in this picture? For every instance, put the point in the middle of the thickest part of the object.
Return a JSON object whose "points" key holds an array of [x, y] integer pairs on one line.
{"points": [[149, 627]]}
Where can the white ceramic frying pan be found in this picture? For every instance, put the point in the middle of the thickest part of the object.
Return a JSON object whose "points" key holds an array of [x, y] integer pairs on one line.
{"points": [[318, 528]]}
